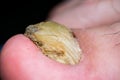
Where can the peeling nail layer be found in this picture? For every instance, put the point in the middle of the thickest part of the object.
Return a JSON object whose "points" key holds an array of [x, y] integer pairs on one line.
{"points": [[56, 41]]}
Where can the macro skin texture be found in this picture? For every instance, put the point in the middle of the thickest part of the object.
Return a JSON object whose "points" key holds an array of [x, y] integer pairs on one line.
{"points": [[56, 41]]}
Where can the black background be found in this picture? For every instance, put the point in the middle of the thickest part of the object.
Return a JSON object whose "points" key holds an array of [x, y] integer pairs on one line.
{"points": [[17, 15]]}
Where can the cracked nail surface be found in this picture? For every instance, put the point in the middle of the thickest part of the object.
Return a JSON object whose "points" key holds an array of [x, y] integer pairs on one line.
{"points": [[56, 41]]}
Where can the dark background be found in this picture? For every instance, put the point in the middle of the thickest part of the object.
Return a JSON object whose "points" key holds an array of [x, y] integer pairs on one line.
{"points": [[17, 15]]}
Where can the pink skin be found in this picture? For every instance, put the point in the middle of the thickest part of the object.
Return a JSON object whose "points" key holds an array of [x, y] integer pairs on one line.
{"points": [[87, 13], [22, 60]]}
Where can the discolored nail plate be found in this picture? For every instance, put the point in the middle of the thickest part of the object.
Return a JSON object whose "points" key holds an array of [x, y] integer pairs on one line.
{"points": [[56, 41]]}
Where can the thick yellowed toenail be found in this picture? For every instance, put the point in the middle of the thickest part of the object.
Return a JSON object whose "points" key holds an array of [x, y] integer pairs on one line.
{"points": [[56, 41]]}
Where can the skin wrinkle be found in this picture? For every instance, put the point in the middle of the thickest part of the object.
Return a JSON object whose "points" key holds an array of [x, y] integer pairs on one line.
{"points": [[114, 8], [114, 34], [118, 43]]}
